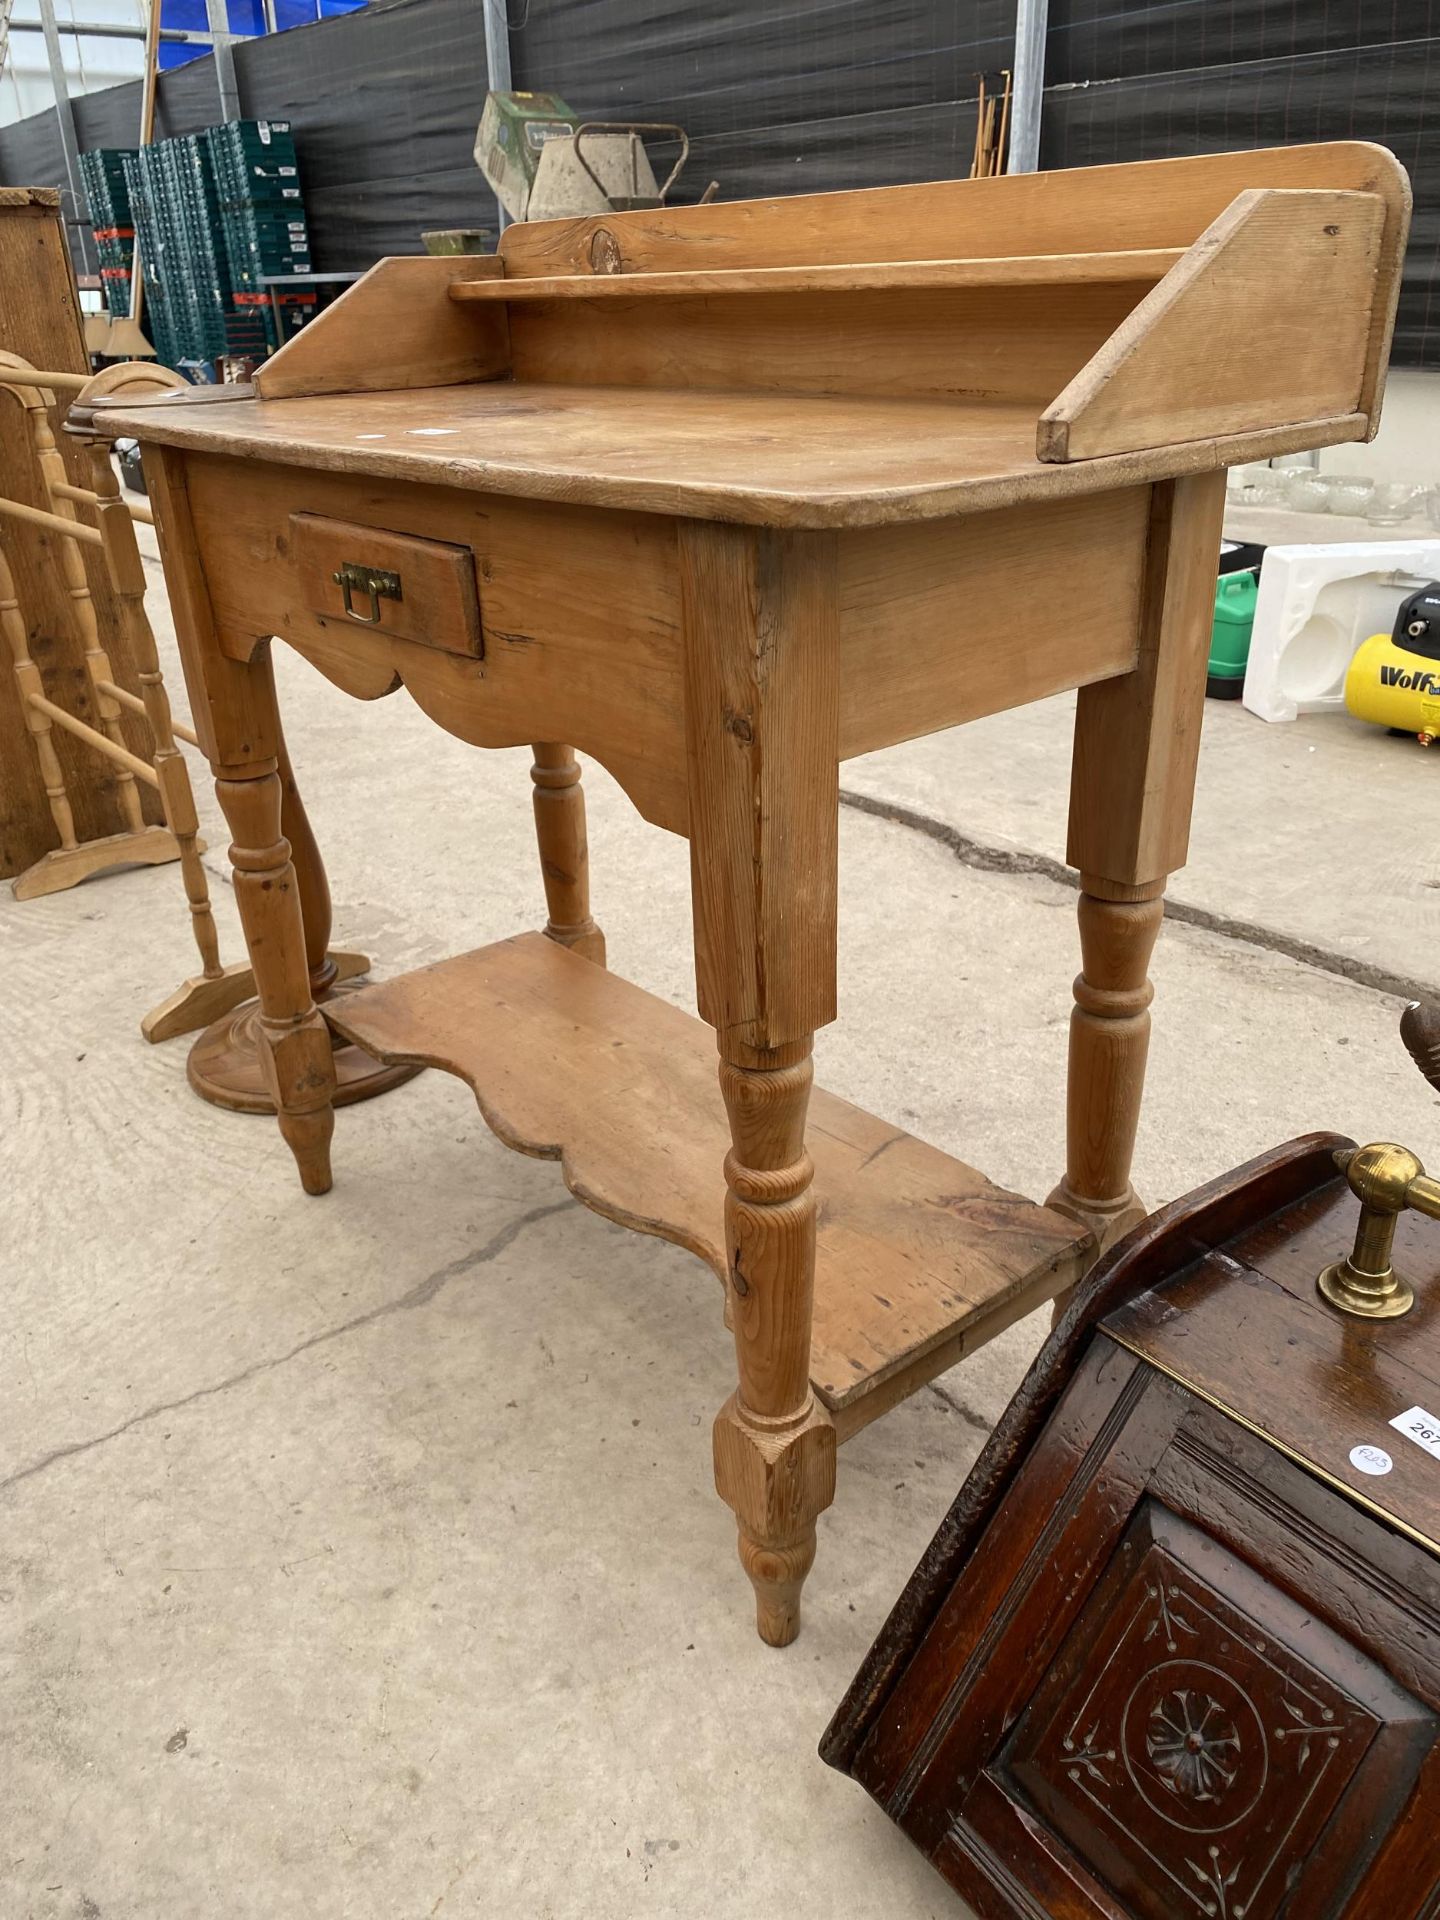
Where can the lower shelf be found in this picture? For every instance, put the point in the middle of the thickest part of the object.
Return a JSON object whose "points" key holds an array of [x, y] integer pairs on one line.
{"points": [[920, 1259]]}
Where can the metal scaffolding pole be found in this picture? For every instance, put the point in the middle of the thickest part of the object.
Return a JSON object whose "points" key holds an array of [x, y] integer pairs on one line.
{"points": [[497, 64], [69, 146], [1029, 85], [224, 45], [107, 30]]}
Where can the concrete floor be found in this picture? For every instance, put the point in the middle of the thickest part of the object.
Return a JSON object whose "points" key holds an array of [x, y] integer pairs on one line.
{"points": [[360, 1555]]}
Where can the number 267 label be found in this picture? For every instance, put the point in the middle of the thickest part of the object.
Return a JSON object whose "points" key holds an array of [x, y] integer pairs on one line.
{"points": [[1421, 1427]]}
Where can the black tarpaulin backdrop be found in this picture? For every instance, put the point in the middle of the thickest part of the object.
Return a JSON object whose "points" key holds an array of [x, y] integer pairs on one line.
{"points": [[789, 98]]}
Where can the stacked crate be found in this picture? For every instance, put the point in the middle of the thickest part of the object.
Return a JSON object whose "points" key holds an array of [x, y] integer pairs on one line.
{"points": [[154, 244], [108, 196], [215, 211], [262, 213]]}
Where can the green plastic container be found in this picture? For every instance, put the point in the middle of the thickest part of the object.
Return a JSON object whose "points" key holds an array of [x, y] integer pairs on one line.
{"points": [[1235, 596]]}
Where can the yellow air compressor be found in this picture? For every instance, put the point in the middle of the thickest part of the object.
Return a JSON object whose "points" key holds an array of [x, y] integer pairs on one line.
{"points": [[1394, 679]]}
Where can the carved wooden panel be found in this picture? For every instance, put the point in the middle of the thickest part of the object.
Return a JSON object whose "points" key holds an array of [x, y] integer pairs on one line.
{"points": [[1199, 1728], [1152, 1667]]}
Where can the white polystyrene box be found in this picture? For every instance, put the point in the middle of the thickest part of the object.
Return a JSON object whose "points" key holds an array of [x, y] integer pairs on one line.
{"points": [[1315, 607]]}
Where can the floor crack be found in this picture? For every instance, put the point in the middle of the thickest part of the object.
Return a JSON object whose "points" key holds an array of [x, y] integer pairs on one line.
{"points": [[968, 1414], [982, 858], [420, 1295]]}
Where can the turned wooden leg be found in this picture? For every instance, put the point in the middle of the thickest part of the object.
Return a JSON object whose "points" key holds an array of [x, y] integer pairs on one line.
{"points": [[226, 1064], [1109, 1039], [1137, 739], [232, 698], [774, 1445], [127, 575], [564, 852], [290, 1032], [761, 626]]}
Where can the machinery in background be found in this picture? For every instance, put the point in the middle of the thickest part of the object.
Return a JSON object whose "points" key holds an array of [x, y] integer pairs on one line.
{"points": [[545, 163], [1394, 679]]}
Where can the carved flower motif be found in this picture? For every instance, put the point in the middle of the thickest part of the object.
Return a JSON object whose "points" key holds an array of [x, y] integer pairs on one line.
{"points": [[1192, 1744]]}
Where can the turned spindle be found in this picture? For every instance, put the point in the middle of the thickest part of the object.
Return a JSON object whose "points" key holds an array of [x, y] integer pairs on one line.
{"points": [[1109, 1043], [564, 852], [77, 586], [290, 1032], [774, 1445], [127, 573]]}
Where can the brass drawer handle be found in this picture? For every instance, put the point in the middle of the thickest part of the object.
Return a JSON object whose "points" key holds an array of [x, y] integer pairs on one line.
{"points": [[377, 582]]}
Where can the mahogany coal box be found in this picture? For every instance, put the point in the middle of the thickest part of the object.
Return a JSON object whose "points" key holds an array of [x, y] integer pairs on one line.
{"points": [[1175, 1650]]}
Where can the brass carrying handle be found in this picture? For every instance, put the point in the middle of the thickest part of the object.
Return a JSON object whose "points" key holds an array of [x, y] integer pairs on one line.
{"points": [[1385, 1179], [376, 583]]}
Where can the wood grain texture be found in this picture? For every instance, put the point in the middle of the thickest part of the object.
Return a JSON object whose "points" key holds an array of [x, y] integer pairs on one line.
{"points": [[965, 344], [926, 625], [752, 458], [289, 1033], [580, 614], [862, 276], [40, 324], [235, 720], [912, 1244], [1146, 1536], [1137, 740], [1264, 1343], [127, 574], [559, 803], [437, 606], [1267, 319], [1109, 1045], [1162, 203], [760, 624], [930, 630], [774, 1446], [1158, 1249], [396, 327], [1137, 736]]}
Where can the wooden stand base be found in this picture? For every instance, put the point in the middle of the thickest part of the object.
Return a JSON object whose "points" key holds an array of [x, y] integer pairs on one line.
{"points": [[224, 1063], [68, 866], [919, 1258], [199, 1001]]}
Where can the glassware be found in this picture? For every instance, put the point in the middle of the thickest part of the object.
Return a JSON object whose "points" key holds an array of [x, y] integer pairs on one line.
{"points": [[1350, 493], [1393, 501]]}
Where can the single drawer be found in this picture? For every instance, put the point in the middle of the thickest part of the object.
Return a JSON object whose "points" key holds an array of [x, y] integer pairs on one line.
{"points": [[392, 583]]}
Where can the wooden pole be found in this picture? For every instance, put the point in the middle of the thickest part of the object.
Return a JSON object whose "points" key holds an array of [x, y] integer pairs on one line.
{"points": [[147, 134]]}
